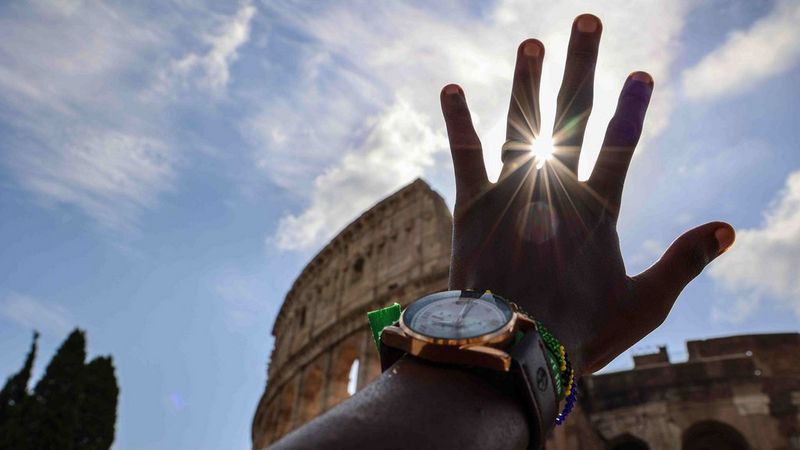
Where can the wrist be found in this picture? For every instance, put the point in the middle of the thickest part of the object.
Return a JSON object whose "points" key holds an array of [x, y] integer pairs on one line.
{"points": [[488, 416], [480, 332], [417, 404]]}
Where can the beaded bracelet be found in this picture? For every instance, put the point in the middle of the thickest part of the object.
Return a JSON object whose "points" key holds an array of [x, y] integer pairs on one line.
{"points": [[566, 371], [562, 366]]}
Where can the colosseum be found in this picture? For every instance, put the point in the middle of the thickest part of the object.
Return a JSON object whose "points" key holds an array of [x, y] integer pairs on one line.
{"points": [[736, 393]]}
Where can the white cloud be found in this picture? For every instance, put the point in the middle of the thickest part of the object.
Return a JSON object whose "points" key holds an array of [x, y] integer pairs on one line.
{"points": [[359, 58], [28, 312], [762, 266], [399, 145], [211, 69], [769, 47]]}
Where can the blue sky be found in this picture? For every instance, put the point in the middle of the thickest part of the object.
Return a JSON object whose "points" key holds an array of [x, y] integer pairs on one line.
{"points": [[166, 169]]}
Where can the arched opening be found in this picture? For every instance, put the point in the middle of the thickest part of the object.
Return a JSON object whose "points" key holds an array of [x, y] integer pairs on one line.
{"points": [[343, 357], [713, 435], [352, 378], [627, 442]]}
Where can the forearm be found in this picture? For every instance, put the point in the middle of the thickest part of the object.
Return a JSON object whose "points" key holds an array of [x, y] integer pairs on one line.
{"points": [[419, 405]]}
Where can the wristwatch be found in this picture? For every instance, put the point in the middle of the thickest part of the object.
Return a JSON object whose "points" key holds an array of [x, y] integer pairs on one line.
{"points": [[484, 331]]}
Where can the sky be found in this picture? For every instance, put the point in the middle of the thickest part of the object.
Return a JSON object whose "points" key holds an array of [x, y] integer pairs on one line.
{"points": [[167, 168]]}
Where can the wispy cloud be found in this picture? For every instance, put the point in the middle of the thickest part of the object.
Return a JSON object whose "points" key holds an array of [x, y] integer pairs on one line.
{"points": [[762, 266], [67, 90], [76, 80], [211, 69], [769, 47], [31, 313], [109, 174], [648, 253], [243, 297], [377, 63]]}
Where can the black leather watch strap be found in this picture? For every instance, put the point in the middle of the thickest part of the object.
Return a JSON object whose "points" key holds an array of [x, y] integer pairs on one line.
{"points": [[536, 384]]}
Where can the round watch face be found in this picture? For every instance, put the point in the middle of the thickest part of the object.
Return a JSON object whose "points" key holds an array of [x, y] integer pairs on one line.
{"points": [[457, 314]]}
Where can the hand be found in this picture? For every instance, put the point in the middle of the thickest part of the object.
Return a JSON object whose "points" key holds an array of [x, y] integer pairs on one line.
{"points": [[546, 240]]}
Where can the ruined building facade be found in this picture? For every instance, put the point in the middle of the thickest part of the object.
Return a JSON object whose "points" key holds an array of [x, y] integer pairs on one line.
{"points": [[397, 251], [734, 393]]}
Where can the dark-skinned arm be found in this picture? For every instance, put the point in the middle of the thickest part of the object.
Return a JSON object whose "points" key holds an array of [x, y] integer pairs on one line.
{"points": [[418, 405]]}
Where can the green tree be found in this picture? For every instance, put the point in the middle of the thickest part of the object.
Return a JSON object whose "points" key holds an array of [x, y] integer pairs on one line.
{"points": [[16, 388], [97, 412], [12, 403], [72, 407], [57, 395]]}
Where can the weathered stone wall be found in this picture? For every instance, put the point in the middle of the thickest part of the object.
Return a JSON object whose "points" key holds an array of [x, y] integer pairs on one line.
{"points": [[739, 392], [397, 251]]}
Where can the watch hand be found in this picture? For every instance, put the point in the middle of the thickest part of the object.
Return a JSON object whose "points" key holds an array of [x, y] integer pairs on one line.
{"points": [[464, 312]]}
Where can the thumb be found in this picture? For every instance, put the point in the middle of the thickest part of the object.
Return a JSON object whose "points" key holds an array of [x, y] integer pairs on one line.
{"points": [[681, 263]]}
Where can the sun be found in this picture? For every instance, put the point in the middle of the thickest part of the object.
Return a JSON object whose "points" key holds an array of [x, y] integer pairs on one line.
{"points": [[542, 150]]}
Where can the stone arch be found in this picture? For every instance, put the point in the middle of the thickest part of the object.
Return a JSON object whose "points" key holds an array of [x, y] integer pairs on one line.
{"points": [[271, 426], [627, 441], [371, 367], [713, 435], [346, 352], [357, 269], [311, 395], [283, 421]]}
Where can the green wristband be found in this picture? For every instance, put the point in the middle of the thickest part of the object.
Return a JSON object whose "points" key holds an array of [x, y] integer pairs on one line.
{"points": [[382, 318]]}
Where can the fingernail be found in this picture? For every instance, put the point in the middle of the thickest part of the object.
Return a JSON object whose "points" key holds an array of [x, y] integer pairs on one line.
{"points": [[453, 89], [725, 237], [588, 23], [643, 77], [532, 49]]}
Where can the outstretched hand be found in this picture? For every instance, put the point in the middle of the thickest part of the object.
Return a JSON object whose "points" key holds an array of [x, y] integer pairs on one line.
{"points": [[544, 239]]}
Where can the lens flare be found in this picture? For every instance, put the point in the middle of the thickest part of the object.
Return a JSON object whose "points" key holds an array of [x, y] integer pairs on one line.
{"points": [[542, 150]]}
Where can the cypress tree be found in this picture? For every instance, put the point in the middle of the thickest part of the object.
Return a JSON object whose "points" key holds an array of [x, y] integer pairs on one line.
{"points": [[13, 400], [97, 411], [16, 387], [53, 415], [73, 406]]}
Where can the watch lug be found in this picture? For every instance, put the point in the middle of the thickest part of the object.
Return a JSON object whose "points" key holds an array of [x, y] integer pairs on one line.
{"points": [[525, 323], [488, 357], [394, 337]]}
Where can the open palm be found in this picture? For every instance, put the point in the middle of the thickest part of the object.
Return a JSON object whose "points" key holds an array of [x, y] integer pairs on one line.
{"points": [[548, 241]]}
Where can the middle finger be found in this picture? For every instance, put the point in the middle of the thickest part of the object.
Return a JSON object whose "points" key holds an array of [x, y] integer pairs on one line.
{"points": [[574, 102]]}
